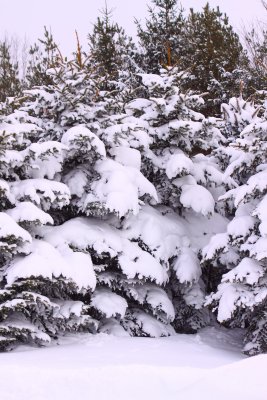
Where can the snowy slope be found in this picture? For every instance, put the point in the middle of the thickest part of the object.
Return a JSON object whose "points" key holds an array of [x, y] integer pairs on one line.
{"points": [[104, 367]]}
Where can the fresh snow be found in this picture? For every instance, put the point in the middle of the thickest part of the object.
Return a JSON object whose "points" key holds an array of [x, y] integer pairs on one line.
{"points": [[47, 262], [198, 198], [185, 367]]}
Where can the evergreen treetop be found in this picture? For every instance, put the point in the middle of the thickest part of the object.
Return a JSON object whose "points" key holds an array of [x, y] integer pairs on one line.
{"points": [[162, 38], [9, 74]]}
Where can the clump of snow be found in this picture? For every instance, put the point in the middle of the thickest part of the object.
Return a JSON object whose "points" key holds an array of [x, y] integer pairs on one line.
{"points": [[119, 188], [108, 303], [45, 261], [163, 231], [150, 326], [178, 164], [29, 213], [198, 198], [136, 262], [13, 238], [187, 266], [45, 159], [127, 156], [41, 192], [241, 226], [248, 271], [86, 234], [112, 326], [80, 138], [218, 243], [155, 297]]}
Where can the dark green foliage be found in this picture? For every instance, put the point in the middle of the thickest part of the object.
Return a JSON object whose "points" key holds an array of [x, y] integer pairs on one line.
{"points": [[214, 52], [162, 39], [111, 50]]}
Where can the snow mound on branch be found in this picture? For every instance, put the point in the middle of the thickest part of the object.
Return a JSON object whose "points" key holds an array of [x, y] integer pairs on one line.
{"points": [[5, 191], [259, 249], [130, 133], [9, 228], [108, 303], [68, 308], [194, 296], [256, 183], [178, 164], [248, 270], [198, 198], [45, 261], [13, 326], [87, 234], [41, 192], [84, 234], [261, 213], [201, 229], [28, 212], [217, 243], [79, 137], [136, 262], [112, 326], [18, 132], [160, 229], [119, 188], [241, 226], [127, 156], [76, 180], [152, 80], [147, 324], [45, 158], [231, 296], [187, 266], [138, 104], [155, 297]]}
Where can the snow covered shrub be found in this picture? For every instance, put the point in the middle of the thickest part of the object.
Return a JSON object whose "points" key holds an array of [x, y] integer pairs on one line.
{"points": [[240, 299]]}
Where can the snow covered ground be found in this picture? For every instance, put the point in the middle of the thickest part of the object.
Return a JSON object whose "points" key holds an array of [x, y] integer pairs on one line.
{"points": [[208, 365]]}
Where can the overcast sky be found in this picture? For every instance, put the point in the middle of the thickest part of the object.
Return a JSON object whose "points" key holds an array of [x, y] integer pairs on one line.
{"points": [[27, 17]]}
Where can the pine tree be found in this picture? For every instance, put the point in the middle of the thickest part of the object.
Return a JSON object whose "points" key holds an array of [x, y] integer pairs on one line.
{"points": [[43, 55], [162, 39], [214, 54], [9, 74]]}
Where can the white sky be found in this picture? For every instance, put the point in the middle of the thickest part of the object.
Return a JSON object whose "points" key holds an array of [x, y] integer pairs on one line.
{"points": [[27, 17]]}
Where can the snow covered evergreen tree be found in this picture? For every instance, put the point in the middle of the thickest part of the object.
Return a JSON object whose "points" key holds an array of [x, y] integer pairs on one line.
{"points": [[77, 249], [174, 143], [240, 299]]}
